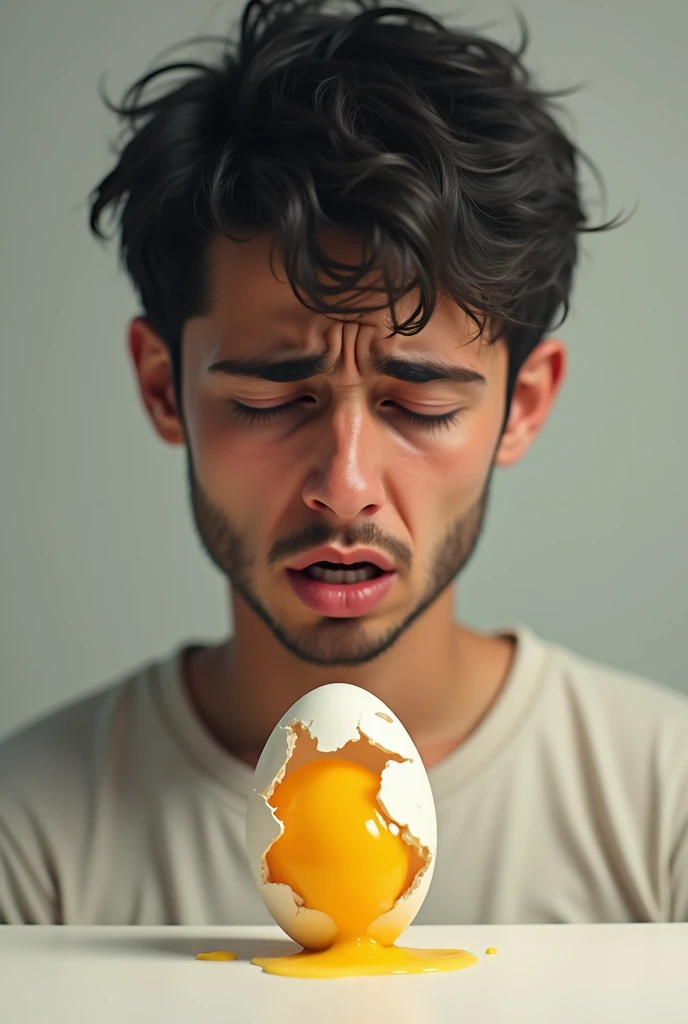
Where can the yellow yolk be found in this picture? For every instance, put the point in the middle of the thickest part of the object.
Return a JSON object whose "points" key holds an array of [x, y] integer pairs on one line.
{"points": [[337, 850], [341, 855], [217, 954]]}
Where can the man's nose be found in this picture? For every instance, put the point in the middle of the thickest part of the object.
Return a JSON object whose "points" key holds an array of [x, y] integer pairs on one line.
{"points": [[345, 476]]}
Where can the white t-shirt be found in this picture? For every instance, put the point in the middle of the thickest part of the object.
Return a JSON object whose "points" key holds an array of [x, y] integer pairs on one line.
{"points": [[568, 803]]}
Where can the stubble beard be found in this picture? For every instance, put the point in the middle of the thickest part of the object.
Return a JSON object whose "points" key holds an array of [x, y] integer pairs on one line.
{"points": [[331, 641]]}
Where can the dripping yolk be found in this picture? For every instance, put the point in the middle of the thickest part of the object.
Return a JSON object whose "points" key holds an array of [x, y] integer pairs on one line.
{"points": [[342, 856], [338, 852]]}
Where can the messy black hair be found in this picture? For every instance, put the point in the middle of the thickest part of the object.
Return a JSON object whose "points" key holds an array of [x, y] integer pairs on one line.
{"points": [[428, 142]]}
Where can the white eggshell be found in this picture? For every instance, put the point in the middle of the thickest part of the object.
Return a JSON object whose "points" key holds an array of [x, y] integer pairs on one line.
{"points": [[319, 725]]}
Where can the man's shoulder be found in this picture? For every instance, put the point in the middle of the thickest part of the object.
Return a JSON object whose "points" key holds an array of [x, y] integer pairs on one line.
{"points": [[616, 701], [610, 683], [56, 749], [54, 775]]}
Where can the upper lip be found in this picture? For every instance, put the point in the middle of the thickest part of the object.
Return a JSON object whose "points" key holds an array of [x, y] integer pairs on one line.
{"points": [[329, 554]]}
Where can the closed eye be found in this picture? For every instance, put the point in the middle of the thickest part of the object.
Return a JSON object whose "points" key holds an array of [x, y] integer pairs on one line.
{"points": [[256, 415]]}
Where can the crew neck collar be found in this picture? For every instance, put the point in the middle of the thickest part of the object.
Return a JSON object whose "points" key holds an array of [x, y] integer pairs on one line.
{"points": [[498, 727]]}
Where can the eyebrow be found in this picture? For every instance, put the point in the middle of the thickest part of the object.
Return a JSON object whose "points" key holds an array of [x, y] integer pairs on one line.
{"points": [[411, 371]]}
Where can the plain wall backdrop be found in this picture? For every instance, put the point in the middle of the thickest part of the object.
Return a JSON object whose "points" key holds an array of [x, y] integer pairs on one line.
{"points": [[100, 568]]}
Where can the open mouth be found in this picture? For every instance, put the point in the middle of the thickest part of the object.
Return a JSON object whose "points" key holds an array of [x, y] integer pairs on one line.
{"points": [[336, 590], [333, 572]]}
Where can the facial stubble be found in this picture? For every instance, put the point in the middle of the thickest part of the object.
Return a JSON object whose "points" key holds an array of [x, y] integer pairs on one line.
{"points": [[332, 641]]}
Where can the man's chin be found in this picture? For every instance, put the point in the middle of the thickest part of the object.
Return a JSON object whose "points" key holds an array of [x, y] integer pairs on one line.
{"points": [[334, 641], [340, 641]]}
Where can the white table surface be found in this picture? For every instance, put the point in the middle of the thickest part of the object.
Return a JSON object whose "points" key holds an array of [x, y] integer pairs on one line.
{"points": [[542, 974]]}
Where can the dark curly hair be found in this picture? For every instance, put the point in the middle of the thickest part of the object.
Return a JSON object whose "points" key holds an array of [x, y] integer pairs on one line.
{"points": [[430, 143]]}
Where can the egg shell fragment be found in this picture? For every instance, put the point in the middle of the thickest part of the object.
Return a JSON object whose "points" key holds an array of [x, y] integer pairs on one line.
{"points": [[320, 724]]}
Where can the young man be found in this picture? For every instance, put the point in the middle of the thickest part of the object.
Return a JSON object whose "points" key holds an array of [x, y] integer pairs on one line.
{"points": [[351, 240]]}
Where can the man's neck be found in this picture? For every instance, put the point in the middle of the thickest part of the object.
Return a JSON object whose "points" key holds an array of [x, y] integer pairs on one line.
{"points": [[439, 679]]}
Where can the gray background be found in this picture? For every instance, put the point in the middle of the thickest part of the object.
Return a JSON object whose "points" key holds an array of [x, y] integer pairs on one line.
{"points": [[99, 565]]}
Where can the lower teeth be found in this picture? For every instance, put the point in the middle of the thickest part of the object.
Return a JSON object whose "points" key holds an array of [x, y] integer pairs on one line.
{"points": [[316, 572]]}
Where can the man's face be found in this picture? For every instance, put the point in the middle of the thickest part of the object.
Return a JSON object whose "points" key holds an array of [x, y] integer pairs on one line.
{"points": [[345, 460]]}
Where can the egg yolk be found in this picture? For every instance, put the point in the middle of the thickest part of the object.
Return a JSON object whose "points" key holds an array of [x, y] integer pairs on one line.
{"points": [[340, 854], [217, 954], [337, 851]]}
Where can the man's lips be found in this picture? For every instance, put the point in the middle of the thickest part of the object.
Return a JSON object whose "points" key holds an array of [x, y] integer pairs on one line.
{"points": [[339, 557], [340, 600]]}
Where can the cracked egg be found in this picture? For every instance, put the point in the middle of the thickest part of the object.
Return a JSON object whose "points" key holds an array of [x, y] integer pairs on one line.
{"points": [[341, 829]]}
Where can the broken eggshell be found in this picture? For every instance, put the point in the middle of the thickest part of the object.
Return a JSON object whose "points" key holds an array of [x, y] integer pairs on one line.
{"points": [[343, 721]]}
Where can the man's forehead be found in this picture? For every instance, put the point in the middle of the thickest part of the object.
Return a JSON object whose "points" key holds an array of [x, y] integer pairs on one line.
{"points": [[256, 313]]}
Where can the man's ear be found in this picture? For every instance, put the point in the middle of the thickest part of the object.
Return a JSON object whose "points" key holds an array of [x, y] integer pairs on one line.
{"points": [[153, 366], [537, 386]]}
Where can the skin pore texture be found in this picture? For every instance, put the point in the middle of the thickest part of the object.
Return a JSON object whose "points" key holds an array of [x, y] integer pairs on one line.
{"points": [[341, 464]]}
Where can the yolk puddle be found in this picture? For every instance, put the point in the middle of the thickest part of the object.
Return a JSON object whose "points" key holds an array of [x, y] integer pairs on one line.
{"points": [[341, 855], [365, 956], [218, 954]]}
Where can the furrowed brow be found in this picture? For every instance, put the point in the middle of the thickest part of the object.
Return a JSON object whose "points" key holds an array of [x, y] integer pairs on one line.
{"points": [[410, 371], [282, 371], [415, 371]]}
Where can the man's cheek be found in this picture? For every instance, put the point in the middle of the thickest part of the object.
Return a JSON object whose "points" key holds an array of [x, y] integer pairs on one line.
{"points": [[461, 477], [218, 451]]}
